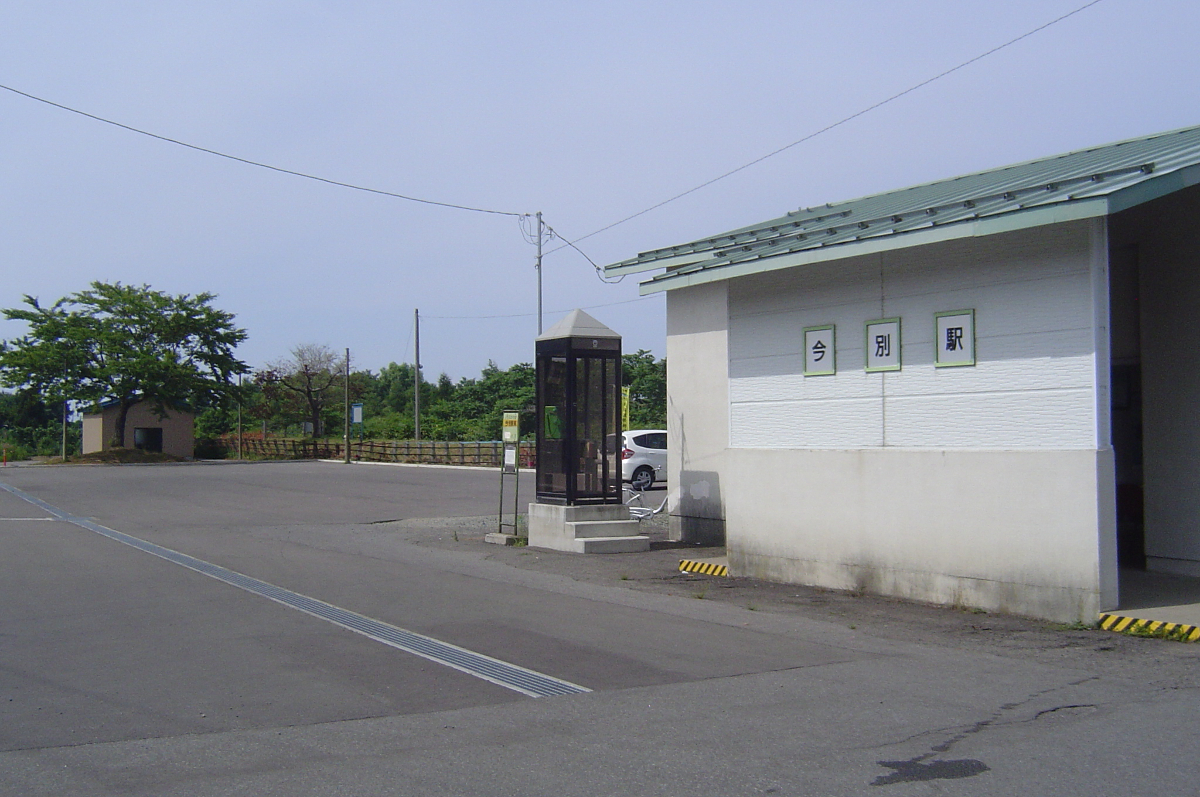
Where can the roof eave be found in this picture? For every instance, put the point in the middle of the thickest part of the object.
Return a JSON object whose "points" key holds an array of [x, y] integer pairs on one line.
{"points": [[976, 228], [621, 269], [1154, 188]]}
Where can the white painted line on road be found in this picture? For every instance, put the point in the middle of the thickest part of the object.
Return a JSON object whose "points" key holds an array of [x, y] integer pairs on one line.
{"points": [[502, 673], [30, 518]]}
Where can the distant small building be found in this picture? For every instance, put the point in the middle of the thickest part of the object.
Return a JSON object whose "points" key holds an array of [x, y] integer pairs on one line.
{"points": [[173, 434]]}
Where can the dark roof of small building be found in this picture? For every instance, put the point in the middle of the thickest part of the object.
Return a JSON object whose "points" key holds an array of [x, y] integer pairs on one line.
{"points": [[1084, 184], [107, 404]]}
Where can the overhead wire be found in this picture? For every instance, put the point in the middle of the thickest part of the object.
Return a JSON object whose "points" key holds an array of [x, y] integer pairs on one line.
{"points": [[595, 265], [531, 315], [523, 218], [259, 164], [411, 325], [829, 127]]}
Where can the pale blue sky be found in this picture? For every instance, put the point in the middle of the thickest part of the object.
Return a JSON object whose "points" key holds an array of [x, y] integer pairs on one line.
{"points": [[586, 112]]}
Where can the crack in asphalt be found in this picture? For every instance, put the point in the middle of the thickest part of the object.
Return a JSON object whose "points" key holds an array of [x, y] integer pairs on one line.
{"points": [[916, 769]]}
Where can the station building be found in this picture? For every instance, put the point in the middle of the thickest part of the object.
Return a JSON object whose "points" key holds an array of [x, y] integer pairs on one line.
{"points": [[979, 392]]}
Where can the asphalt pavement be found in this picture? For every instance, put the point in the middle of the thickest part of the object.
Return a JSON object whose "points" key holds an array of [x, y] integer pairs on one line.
{"points": [[123, 672]]}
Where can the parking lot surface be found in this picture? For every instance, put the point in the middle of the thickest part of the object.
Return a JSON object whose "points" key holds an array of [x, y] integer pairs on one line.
{"points": [[124, 672]]}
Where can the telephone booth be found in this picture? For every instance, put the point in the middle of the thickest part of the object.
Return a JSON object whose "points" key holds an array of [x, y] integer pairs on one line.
{"points": [[579, 413]]}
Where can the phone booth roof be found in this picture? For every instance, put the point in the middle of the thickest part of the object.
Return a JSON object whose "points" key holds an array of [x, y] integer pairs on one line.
{"points": [[578, 332]]}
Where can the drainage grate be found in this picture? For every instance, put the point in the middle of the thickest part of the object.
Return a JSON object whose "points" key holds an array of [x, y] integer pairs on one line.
{"points": [[502, 673]]}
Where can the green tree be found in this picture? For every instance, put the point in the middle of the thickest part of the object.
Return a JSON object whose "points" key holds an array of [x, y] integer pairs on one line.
{"points": [[473, 411], [310, 386], [29, 425], [646, 379], [125, 343]]}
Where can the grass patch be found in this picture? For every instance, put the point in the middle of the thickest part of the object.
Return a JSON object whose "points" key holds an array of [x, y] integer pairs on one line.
{"points": [[1176, 634], [1079, 625]]}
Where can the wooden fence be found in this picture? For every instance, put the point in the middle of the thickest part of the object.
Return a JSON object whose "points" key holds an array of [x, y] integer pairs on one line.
{"points": [[486, 454]]}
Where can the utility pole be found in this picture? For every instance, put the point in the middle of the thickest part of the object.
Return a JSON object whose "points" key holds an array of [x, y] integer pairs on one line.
{"points": [[64, 417], [241, 440], [417, 375], [347, 406], [539, 269]]}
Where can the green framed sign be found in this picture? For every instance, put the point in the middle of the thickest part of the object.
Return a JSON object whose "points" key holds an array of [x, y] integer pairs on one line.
{"points": [[882, 345], [954, 338], [820, 350]]}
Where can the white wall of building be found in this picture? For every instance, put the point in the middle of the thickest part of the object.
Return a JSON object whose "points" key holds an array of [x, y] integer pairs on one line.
{"points": [[1011, 531], [697, 411], [987, 486], [1033, 386]]}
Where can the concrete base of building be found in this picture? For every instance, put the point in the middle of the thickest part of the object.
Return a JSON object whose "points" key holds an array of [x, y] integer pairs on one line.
{"points": [[1023, 532], [696, 530], [604, 528]]}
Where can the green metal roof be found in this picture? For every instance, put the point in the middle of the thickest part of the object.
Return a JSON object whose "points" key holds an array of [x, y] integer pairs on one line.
{"points": [[1084, 184]]}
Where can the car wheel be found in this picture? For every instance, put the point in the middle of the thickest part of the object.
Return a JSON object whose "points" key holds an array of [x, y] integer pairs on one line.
{"points": [[643, 477]]}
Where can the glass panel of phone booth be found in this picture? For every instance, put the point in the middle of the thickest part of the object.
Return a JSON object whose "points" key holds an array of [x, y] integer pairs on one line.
{"points": [[552, 477]]}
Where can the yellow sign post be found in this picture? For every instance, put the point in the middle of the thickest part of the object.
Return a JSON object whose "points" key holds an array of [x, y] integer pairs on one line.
{"points": [[624, 408], [511, 428], [510, 436]]}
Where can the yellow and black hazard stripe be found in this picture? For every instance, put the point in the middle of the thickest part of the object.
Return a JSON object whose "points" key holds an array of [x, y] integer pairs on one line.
{"points": [[1150, 628], [704, 568]]}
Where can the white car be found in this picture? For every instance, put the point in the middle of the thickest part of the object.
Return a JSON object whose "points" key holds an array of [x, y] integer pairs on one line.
{"points": [[644, 457]]}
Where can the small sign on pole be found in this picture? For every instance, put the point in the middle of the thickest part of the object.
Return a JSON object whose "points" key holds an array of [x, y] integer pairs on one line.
{"points": [[356, 413], [511, 429], [510, 436]]}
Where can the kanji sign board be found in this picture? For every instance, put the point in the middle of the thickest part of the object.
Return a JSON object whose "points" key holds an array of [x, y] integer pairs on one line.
{"points": [[883, 345], [820, 358], [954, 338]]}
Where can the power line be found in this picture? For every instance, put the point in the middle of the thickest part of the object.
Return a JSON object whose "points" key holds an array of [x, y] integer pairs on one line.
{"points": [[249, 162], [595, 265], [530, 315], [827, 128], [522, 217]]}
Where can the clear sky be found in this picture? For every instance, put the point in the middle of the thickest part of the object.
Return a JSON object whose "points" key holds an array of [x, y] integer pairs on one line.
{"points": [[588, 112]]}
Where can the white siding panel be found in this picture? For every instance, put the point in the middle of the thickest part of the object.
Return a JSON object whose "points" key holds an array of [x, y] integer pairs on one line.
{"points": [[1033, 385], [835, 284], [1024, 376], [794, 387], [1045, 305], [1014, 258], [1018, 420], [775, 333], [811, 424]]}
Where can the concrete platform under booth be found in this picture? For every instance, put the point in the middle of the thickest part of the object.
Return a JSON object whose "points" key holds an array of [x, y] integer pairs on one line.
{"points": [[602, 528]]}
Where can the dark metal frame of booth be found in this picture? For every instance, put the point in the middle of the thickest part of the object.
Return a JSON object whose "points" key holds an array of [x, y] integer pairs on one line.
{"points": [[579, 421]]}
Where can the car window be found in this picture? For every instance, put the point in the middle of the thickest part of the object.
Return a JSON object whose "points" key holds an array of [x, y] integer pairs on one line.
{"points": [[652, 440]]}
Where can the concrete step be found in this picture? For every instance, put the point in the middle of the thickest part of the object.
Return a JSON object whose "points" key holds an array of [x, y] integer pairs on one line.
{"points": [[603, 528], [613, 544]]}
